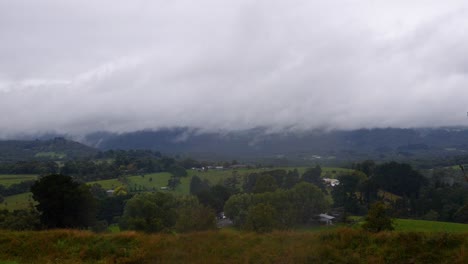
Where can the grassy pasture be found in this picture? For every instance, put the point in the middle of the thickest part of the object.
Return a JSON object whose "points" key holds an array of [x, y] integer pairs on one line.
{"points": [[50, 155], [108, 184], [18, 201], [10, 179], [429, 226], [412, 225]]}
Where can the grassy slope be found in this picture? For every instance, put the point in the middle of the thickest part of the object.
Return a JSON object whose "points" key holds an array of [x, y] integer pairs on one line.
{"points": [[337, 246], [406, 225], [18, 201], [9, 179], [429, 226], [108, 184]]}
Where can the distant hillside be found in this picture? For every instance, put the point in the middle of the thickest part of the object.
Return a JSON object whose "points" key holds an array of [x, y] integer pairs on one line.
{"points": [[53, 149], [380, 144]]}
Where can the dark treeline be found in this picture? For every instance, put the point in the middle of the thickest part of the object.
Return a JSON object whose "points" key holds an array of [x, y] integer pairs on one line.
{"points": [[29, 167], [16, 188], [108, 165], [43, 150], [439, 195]]}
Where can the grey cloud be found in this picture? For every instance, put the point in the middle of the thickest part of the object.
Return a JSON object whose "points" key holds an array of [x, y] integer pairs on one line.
{"points": [[82, 66]]}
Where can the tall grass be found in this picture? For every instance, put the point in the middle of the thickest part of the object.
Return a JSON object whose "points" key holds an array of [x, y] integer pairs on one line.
{"points": [[227, 246]]}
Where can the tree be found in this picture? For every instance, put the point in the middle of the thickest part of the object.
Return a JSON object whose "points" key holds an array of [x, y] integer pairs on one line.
{"points": [[193, 216], [399, 178], [149, 212], [261, 218], [177, 171], [215, 197], [367, 167], [110, 208], [308, 201], [249, 182], [173, 182], [198, 185], [64, 203], [313, 176], [344, 194], [97, 191], [461, 215], [378, 219], [265, 183], [295, 206], [290, 179]]}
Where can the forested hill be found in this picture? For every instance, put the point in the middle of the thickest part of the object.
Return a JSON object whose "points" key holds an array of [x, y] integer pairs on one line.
{"points": [[360, 144], [56, 149]]}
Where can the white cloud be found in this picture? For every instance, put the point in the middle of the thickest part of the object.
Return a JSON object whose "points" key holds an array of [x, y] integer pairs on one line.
{"points": [[82, 66]]}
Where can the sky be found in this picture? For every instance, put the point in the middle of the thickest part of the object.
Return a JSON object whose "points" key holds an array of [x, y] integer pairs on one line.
{"points": [[78, 67]]}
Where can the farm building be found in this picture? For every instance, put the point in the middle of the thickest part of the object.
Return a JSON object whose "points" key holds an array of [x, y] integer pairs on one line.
{"points": [[327, 219]]}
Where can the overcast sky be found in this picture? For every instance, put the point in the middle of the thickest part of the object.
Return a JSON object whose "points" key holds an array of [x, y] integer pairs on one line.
{"points": [[81, 66]]}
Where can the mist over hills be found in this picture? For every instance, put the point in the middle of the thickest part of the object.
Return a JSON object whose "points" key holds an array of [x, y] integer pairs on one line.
{"points": [[379, 144], [54, 148], [260, 144]]}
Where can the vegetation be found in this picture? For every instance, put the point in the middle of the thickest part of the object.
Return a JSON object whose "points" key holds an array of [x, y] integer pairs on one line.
{"points": [[411, 225], [295, 206], [63, 202], [163, 212], [18, 202], [57, 148], [378, 219], [336, 246], [6, 180]]}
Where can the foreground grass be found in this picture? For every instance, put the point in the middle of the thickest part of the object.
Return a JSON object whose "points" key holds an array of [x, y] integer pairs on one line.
{"points": [[336, 246]]}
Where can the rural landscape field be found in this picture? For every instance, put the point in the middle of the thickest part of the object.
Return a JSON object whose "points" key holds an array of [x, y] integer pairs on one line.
{"points": [[234, 131]]}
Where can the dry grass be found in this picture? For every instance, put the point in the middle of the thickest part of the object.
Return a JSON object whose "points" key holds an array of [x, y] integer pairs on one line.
{"points": [[228, 246]]}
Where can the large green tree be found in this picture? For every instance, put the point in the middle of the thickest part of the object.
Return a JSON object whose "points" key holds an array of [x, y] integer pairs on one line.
{"points": [[64, 203], [261, 218], [149, 212], [295, 206], [313, 175], [399, 178], [346, 193], [193, 216]]}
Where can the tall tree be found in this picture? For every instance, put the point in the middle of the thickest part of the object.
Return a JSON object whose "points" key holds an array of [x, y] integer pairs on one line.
{"points": [[399, 178], [198, 185], [265, 183], [378, 218], [313, 176], [64, 203], [149, 212]]}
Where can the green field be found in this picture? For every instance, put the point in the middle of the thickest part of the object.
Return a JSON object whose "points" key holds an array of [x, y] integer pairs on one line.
{"points": [[406, 225], [9, 179], [429, 226], [18, 201], [108, 184], [50, 155]]}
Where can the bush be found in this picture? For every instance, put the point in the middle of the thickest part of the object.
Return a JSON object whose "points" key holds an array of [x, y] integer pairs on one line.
{"points": [[261, 218], [378, 219]]}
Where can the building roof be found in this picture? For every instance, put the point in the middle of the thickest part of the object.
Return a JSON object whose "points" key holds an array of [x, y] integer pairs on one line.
{"points": [[329, 217]]}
